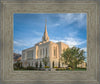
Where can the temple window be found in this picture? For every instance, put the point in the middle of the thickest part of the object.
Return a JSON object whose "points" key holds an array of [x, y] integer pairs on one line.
{"points": [[30, 54], [43, 52], [40, 52], [54, 51]]}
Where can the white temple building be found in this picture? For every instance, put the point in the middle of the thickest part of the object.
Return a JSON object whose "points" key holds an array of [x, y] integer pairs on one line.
{"points": [[43, 49]]}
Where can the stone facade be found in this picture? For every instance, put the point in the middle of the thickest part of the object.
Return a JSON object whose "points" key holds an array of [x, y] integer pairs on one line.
{"points": [[43, 49]]}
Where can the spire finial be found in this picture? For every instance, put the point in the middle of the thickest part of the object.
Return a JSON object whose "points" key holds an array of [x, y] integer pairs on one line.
{"points": [[45, 21]]}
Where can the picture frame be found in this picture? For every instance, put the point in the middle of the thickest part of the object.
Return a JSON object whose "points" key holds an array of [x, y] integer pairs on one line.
{"points": [[8, 75]]}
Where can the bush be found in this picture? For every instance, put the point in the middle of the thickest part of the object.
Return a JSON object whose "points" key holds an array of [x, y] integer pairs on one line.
{"points": [[69, 68], [60, 69], [55, 67], [30, 68], [22, 68], [46, 66]]}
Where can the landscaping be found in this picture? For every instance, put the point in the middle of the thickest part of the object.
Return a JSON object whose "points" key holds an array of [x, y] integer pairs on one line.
{"points": [[49, 69], [64, 69], [72, 57]]}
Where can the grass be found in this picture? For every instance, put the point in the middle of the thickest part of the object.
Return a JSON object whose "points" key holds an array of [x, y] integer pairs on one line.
{"points": [[78, 69]]}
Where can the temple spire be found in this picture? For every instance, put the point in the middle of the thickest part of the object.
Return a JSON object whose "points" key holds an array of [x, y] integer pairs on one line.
{"points": [[45, 36], [45, 26]]}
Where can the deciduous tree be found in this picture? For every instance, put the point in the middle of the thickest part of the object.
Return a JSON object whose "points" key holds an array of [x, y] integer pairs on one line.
{"points": [[73, 56]]}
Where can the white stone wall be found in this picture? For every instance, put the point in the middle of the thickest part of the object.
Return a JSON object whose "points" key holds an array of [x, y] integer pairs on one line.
{"points": [[49, 49]]}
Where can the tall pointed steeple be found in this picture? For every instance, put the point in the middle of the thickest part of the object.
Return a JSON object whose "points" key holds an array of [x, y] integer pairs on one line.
{"points": [[45, 36]]}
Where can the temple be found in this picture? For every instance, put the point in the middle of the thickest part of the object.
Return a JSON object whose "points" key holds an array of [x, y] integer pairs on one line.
{"points": [[45, 49]]}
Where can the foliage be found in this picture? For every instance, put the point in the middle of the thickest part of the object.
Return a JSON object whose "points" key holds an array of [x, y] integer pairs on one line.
{"points": [[55, 67], [46, 66], [60, 69], [18, 65], [69, 68], [73, 56], [30, 68]]}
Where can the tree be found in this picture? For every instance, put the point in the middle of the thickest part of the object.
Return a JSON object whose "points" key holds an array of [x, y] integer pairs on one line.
{"points": [[45, 60], [73, 56], [18, 65]]}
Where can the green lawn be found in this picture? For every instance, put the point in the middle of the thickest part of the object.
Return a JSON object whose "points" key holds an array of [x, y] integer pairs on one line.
{"points": [[78, 69]]}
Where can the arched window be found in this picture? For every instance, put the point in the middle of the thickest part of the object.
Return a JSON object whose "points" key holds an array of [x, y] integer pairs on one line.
{"points": [[23, 56], [59, 64], [43, 52], [54, 51], [30, 55], [37, 53], [40, 53]]}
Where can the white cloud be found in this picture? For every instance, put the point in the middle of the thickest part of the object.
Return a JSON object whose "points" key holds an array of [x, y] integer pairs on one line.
{"points": [[53, 25], [85, 49], [71, 18], [26, 43], [72, 33], [38, 33], [74, 42], [71, 41], [19, 43], [56, 24], [23, 44], [17, 51]]}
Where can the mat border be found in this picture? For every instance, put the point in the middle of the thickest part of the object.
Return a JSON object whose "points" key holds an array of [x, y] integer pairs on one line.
{"points": [[6, 32]]}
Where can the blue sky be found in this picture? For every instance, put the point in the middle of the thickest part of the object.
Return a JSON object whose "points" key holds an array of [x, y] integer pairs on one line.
{"points": [[70, 28]]}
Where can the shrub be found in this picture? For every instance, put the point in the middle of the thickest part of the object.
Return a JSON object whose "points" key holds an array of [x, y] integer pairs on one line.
{"points": [[46, 66], [69, 68], [55, 67], [60, 69]]}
